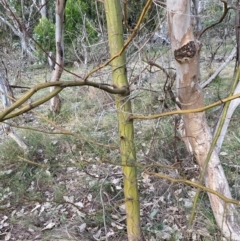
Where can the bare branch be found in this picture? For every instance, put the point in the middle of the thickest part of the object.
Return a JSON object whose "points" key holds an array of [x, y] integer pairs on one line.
{"points": [[3, 20], [60, 85], [219, 69], [194, 184], [225, 11], [151, 117]]}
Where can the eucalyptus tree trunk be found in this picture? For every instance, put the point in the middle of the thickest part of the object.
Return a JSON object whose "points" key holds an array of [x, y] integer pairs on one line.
{"points": [[126, 132], [186, 53], [43, 6], [55, 102]]}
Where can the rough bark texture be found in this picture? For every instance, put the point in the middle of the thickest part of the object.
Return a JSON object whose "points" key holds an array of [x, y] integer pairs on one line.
{"points": [[55, 103], [186, 52], [126, 133]]}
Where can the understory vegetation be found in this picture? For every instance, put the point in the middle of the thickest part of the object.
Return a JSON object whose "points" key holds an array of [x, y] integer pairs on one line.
{"points": [[69, 186], [69, 183]]}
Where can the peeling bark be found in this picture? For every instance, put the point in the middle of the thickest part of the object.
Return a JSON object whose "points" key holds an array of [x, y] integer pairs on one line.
{"points": [[186, 52]]}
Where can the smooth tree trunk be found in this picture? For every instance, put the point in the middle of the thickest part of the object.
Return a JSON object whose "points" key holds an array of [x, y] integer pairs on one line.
{"points": [[55, 102], [186, 53], [126, 132], [43, 10]]}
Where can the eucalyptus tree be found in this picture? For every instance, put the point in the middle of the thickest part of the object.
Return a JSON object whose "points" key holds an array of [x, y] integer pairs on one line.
{"points": [[55, 103], [197, 134]]}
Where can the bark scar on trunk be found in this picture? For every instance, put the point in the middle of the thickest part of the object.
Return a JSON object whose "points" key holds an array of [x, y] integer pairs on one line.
{"points": [[186, 52], [60, 50]]}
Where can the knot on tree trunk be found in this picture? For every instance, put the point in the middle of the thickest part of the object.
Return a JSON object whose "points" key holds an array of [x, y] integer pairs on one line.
{"points": [[186, 52]]}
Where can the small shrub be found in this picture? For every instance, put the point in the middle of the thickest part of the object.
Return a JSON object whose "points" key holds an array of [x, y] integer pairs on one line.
{"points": [[44, 33]]}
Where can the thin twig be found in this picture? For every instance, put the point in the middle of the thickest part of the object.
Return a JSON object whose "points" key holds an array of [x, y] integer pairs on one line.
{"points": [[103, 208], [225, 11], [219, 69], [33, 163]]}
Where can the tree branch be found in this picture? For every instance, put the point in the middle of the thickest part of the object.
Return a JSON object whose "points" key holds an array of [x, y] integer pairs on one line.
{"points": [[8, 112], [156, 116], [219, 69], [10, 26], [194, 184], [225, 11]]}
